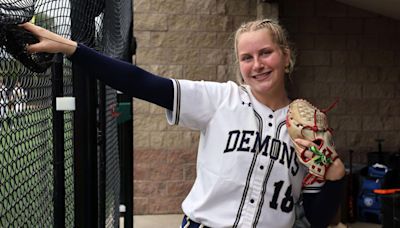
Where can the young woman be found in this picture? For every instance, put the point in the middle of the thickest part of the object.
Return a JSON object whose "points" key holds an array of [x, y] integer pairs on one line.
{"points": [[247, 172]]}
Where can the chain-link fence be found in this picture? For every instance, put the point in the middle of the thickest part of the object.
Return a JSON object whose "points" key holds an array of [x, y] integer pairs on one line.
{"points": [[30, 138]]}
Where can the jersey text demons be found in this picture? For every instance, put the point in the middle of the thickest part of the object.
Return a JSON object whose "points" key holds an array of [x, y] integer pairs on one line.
{"points": [[247, 172], [250, 141]]}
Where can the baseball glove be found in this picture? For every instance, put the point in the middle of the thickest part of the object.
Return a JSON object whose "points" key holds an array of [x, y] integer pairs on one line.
{"points": [[307, 122]]}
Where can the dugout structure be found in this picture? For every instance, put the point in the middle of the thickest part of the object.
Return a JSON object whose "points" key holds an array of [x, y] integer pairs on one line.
{"points": [[63, 168]]}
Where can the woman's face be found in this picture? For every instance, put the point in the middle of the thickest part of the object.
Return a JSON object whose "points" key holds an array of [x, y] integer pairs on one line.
{"points": [[262, 63]]}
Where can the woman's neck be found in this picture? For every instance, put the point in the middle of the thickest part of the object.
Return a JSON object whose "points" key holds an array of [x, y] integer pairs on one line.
{"points": [[273, 101]]}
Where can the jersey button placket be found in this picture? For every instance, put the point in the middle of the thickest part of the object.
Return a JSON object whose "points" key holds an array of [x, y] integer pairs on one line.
{"points": [[270, 116], [256, 189], [251, 205]]}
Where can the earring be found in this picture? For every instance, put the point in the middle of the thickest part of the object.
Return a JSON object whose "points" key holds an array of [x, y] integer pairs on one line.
{"points": [[287, 70]]}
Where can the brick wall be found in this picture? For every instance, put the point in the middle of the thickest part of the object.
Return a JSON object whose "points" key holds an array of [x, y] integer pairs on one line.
{"points": [[343, 52], [182, 39], [353, 55]]}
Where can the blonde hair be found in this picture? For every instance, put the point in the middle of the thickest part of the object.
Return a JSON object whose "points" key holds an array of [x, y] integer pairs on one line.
{"points": [[278, 35]]}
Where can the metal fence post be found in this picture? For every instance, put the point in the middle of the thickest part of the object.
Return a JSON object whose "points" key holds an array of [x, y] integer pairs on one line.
{"points": [[85, 122], [58, 143], [102, 155], [125, 132]]}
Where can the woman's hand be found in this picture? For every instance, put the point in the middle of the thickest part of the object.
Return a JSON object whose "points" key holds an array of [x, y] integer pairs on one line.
{"points": [[48, 41], [336, 170]]}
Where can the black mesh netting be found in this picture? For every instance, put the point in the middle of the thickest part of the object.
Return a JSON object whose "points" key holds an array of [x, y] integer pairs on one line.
{"points": [[26, 121], [16, 12], [115, 44]]}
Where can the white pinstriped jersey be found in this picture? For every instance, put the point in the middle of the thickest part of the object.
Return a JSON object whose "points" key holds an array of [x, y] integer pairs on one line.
{"points": [[248, 174]]}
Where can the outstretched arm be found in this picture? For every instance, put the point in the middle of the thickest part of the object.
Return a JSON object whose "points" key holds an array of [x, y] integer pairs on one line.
{"points": [[120, 75], [126, 77]]}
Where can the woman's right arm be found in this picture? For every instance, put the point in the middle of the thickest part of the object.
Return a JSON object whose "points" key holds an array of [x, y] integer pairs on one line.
{"points": [[120, 75], [126, 77]]}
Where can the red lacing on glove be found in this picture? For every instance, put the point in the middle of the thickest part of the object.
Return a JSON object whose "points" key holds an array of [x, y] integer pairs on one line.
{"points": [[310, 179], [315, 128]]}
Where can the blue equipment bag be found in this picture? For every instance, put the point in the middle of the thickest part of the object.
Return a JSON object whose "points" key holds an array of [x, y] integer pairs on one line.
{"points": [[369, 203]]}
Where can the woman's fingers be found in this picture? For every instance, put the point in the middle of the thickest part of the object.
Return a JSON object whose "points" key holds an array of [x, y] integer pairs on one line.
{"points": [[306, 144], [26, 26], [48, 41], [30, 28], [35, 48], [35, 30]]}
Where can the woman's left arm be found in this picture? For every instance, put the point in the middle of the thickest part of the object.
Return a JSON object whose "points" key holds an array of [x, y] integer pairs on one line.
{"points": [[320, 208]]}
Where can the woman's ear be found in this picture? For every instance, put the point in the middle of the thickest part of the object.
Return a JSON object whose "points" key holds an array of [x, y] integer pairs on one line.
{"points": [[287, 54], [287, 58]]}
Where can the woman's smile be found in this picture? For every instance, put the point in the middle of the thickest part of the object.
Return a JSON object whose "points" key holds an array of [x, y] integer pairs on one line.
{"points": [[261, 76]]}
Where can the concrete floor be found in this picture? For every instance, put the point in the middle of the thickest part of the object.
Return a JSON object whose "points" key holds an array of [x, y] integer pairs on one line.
{"points": [[173, 221], [151, 221]]}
